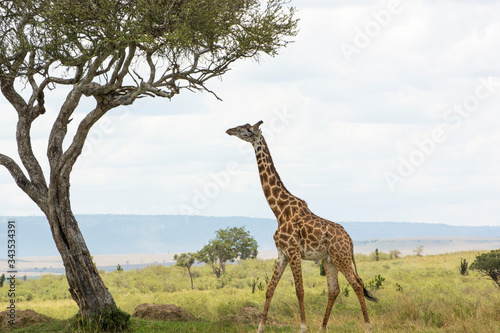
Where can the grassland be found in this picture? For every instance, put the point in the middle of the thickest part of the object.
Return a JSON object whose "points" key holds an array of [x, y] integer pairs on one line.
{"points": [[419, 294]]}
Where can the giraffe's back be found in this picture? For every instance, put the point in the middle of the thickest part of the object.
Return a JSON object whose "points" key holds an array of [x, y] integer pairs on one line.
{"points": [[316, 238]]}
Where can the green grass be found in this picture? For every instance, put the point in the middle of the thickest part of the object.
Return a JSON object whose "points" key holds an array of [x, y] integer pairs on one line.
{"points": [[419, 294], [149, 326]]}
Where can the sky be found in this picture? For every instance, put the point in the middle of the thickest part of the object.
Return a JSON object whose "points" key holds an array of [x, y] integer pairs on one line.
{"points": [[379, 111]]}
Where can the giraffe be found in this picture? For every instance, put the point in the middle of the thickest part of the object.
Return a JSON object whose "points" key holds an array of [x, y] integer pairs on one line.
{"points": [[302, 235]]}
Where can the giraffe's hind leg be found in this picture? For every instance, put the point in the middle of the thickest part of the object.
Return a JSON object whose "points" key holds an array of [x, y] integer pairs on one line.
{"points": [[332, 279], [357, 285]]}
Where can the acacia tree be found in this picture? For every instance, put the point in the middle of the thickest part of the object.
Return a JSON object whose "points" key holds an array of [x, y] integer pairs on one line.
{"points": [[419, 250], [112, 52], [209, 256], [228, 245], [186, 260]]}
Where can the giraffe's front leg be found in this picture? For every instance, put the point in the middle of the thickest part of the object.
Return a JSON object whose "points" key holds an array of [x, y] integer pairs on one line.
{"points": [[278, 272], [296, 266]]}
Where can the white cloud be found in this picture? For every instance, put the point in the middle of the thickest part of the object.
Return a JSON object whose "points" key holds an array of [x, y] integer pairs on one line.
{"points": [[345, 124]]}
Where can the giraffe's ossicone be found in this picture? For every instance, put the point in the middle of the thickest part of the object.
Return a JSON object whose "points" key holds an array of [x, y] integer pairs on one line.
{"points": [[302, 235]]}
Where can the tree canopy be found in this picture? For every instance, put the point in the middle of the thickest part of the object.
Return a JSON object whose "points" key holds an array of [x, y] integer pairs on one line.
{"points": [[488, 264], [186, 260], [228, 245], [168, 41]]}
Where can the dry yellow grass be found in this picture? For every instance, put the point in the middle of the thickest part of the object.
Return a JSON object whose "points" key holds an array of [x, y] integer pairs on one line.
{"points": [[419, 294]]}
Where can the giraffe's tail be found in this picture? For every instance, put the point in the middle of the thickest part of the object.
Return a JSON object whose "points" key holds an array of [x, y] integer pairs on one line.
{"points": [[367, 294]]}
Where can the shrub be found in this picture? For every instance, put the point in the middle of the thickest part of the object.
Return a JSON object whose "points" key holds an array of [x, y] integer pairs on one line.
{"points": [[464, 267], [488, 264], [394, 254], [345, 291], [110, 319], [322, 271], [376, 283]]}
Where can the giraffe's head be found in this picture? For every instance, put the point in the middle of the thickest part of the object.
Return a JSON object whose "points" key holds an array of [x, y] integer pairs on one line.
{"points": [[246, 132]]}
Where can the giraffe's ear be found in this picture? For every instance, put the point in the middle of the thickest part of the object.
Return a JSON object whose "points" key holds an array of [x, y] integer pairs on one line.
{"points": [[257, 125]]}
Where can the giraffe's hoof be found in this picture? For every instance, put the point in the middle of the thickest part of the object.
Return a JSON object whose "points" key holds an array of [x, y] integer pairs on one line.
{"points": [[368, 327], [303, 328]]}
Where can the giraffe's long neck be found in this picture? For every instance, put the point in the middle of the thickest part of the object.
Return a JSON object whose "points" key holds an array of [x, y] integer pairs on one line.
{"points": [[281, 201]]}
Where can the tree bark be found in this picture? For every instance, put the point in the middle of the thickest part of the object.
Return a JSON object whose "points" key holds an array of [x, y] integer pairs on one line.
{"points": [[85, 284], [222, 264], [191, 277]]}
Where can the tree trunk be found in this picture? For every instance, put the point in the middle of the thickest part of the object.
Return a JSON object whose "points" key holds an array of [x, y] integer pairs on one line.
{"points": [[191, 277], [222, 265], [85, 284]]}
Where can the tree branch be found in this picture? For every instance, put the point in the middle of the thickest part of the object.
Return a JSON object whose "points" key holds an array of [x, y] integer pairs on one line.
{"points": [[75, 149], [23, 134], [60, 127], [23, 182]]}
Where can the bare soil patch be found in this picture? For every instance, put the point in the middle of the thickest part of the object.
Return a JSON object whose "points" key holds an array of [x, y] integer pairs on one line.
{"points": [[249, 314], [23, 318], [162, 312]]}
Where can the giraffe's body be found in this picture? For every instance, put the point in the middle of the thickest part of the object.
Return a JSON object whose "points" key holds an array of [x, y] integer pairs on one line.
{"points": [[302, 235]]}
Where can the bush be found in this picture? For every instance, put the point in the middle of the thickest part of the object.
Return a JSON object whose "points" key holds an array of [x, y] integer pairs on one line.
{"points": [[376, 283], [488, 264], [345, 290], [394, 254], [379, 255], [464, 267], [110, 319], [322, 271]]}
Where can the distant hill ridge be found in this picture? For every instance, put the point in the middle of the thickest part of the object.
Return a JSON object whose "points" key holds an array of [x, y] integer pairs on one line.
{"points": [[127, 234]]}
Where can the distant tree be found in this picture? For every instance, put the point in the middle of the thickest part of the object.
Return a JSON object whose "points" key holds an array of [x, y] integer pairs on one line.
{"points": [[2, 280], [119, 268], [228, 245], [209, 256], [488, 264], [394, 254], [378, 255], [186, 260], [419, 250]]}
